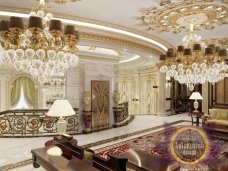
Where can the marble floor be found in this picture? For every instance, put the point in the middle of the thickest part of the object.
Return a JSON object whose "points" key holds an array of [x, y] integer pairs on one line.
{"points": [[13, 150]]}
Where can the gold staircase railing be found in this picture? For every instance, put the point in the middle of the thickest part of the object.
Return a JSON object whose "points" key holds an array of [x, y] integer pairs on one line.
{"points": [[21, 123]]}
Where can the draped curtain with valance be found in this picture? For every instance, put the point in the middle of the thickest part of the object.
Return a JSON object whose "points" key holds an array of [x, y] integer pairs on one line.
{"points": [[29, 91]]}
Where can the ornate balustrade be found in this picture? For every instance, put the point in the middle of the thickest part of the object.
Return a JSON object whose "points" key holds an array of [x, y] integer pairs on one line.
{"points": [[33, 123], [121, 116]]}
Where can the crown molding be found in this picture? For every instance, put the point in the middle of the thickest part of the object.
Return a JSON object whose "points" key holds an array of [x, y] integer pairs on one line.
{"points": [[97, 22]]}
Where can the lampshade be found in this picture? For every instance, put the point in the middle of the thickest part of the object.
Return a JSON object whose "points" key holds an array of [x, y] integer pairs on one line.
{"points": [[54, 151], [196, 96], [61, 108]]}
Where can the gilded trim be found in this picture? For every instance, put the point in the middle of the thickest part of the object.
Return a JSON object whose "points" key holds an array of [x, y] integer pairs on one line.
{"points": [[119, 42], [93, 21]]}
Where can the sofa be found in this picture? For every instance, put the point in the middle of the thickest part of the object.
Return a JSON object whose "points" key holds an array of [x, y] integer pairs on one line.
{"points": [[217, 120]]}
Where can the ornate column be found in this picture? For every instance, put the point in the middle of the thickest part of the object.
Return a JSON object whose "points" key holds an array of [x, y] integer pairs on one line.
{"points": [[87, 111], [205, 97], [161, 94]]}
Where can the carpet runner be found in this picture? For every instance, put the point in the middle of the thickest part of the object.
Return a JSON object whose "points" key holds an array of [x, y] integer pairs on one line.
{"points": [[158, 143]]}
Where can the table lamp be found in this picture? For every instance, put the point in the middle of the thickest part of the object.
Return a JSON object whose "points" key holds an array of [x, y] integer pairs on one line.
{"points": [[196, 96], [61, 109]]}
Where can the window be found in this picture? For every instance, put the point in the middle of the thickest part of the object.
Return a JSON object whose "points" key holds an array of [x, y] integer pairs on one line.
{"points": [[22, 103]]}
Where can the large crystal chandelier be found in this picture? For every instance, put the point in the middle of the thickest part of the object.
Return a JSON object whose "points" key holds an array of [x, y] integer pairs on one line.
{"points": [[44, 49], [195, 65]]}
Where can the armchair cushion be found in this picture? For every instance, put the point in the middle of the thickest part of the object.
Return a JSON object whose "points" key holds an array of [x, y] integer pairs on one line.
{"points": [[222, 114], [213, 113], [217, 120]]}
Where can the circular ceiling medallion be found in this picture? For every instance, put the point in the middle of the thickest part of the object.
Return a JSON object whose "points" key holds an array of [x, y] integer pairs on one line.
{"points": [[186, 20], [177, 17]]}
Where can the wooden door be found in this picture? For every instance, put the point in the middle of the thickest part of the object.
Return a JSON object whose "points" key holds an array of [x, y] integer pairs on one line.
{"points": [[100, 104]]}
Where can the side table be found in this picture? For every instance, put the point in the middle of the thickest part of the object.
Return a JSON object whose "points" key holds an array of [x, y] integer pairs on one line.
{"points": [[196, 115]]}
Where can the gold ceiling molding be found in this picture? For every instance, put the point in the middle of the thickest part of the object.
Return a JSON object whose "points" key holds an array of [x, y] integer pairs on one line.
{"points": [[88, 20], [176, 17], [119, 42], [221, 42]]}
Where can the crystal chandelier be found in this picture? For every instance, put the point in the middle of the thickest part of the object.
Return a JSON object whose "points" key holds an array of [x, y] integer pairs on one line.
{"points": [[191, 36], [55, 89], [44, 49], [195, 65]]}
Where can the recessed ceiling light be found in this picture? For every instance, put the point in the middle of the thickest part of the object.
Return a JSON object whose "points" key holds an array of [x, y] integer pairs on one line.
{"points": [[219, 8], [195, 7], [183, 9]]}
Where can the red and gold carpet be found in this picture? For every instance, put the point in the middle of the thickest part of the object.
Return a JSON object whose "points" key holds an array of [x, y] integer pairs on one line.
{"points": [[158, 143]]}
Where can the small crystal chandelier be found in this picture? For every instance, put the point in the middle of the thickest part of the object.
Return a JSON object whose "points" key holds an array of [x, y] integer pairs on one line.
{"points": [[55, 89], [43, 49], [191, 37], [195, 65]]}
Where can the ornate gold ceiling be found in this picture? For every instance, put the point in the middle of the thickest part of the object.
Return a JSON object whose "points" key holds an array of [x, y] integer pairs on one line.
{"points": [[221, 42], [177, 17]]}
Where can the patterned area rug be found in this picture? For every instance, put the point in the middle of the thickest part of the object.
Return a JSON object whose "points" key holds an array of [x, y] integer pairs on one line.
{"points": [[158, 143]]}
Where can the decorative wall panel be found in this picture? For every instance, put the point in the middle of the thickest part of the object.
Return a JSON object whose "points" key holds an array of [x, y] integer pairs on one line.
{"points": [[139, 88], [221, 92], [100, 104]]}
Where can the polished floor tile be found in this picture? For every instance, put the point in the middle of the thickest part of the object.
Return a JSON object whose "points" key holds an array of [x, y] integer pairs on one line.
{"points": [[14, 150]]}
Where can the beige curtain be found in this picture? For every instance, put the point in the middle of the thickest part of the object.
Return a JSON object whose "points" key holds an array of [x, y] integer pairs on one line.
{"points": [[15, 92], [29, 91]]}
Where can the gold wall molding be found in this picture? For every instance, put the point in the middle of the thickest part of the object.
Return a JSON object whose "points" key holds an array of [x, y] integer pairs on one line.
{"points": [[137, 84]]}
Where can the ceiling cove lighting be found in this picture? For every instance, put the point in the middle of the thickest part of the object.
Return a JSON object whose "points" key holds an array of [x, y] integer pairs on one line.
{"points": [[92, 25]]}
